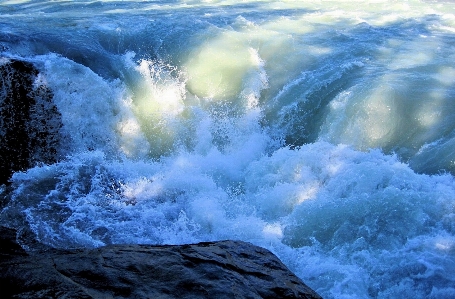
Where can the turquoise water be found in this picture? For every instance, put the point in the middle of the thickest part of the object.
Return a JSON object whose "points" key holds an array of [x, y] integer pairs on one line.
{"points": [[322, 131]]}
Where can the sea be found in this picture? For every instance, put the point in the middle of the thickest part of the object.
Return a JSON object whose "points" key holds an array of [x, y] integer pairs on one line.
{"points": [[323, 131]]}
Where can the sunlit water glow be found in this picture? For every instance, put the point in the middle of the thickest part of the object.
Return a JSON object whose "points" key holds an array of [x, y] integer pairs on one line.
{"points": [[323, 131]]}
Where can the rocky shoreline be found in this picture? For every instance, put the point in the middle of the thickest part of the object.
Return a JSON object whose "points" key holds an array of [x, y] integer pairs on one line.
{"points": [[224, 269]]}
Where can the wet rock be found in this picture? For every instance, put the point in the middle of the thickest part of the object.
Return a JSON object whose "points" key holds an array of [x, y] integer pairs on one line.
{"points": [[225, 269], [29, 120]]}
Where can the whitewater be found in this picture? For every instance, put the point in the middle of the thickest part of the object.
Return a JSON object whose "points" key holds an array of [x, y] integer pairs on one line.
{"points": [[323, 131]]}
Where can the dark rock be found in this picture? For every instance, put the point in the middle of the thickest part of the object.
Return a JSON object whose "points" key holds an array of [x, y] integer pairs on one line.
{"points": [[29, 120], [8, 245], [225, 269]]}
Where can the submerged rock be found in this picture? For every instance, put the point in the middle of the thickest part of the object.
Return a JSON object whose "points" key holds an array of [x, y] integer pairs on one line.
{"points": [[225, 269], [29, 120]]}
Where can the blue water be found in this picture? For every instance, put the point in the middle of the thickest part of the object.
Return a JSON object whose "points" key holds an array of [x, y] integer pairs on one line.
{"points": [[322, 131]]}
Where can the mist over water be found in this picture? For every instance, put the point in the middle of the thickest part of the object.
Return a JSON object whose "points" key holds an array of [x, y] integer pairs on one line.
{"points": [[323, 131]]}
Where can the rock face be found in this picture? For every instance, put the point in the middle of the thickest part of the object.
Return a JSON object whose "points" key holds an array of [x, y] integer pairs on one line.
{"points": [[29, 120], [225, 269]]}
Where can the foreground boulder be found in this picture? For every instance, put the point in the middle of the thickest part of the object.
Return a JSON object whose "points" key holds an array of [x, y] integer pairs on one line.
{"points": [[29, 120], [225, 269]]}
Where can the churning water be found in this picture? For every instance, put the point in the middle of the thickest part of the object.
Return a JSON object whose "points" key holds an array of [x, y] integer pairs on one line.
{"points": [[321, 130]]}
